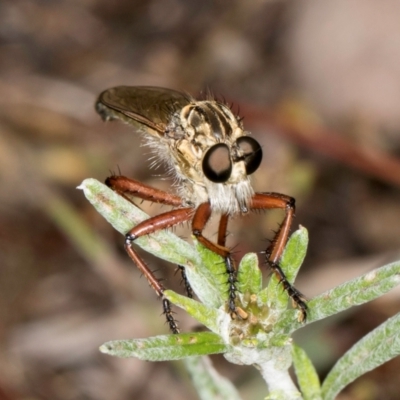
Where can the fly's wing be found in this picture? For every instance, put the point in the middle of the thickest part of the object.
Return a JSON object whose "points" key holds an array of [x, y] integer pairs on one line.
{"points": [[140, 106]]}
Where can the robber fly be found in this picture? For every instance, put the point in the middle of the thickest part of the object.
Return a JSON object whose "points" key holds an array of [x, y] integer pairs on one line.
{"points": [[211, 156]]}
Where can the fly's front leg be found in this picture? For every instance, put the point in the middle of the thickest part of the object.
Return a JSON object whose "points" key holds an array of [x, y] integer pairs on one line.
{"points": [[151, 225], [275, 249], [129, 188], [200, 220]]}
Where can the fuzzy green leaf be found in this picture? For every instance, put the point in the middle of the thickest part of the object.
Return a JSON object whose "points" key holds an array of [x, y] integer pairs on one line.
{"points": [[307, 376], [167, 347], [374, 349], [355, 292], [294, 253], [249, 276], [205, 315]]}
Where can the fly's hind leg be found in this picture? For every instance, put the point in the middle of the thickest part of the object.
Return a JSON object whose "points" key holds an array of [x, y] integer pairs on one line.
{"points": [[275, 249]]}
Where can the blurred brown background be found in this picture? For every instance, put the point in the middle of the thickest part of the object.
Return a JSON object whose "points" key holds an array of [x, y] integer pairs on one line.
{"points": [[318, 84]]}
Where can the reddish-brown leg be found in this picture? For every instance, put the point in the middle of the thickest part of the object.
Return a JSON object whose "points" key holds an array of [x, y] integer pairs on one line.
{"points": [[129, 188], [151, 225], [222, 228], [199, 221], [275, 249]]}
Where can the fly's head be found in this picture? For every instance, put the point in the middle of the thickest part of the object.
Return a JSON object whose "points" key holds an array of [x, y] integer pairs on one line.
{"points": [[202, 142], [213, 156]]}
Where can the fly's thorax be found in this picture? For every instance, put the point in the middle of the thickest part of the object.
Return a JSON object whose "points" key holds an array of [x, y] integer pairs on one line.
{"points": [[209, 121], [198, 127]]}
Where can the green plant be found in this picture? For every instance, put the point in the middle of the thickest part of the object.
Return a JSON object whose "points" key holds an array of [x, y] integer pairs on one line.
{"points": [[263, 337]]}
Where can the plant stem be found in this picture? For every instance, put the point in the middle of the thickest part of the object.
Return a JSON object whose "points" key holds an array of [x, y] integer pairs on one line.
{"points": [[279, 382]]}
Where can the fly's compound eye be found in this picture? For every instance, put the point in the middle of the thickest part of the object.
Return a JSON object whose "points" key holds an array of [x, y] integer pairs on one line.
{"points": [[251, 153], [217, 165]]}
